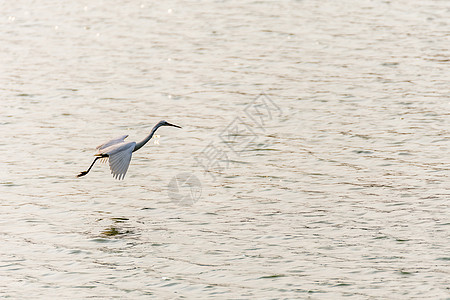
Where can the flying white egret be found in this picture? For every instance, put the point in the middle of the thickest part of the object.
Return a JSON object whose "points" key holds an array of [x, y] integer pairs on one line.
{"points": [[118, 152]]}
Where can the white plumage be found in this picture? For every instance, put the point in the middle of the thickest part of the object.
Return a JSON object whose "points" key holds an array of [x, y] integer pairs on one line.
{"points": [[112, 142], [119, 155], [119, 152]]}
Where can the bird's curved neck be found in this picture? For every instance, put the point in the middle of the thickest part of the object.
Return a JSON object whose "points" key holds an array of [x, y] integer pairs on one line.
{"points": [[146, 139]]}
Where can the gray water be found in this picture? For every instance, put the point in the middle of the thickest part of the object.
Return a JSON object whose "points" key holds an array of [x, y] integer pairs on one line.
{"points": [[338, 187]]}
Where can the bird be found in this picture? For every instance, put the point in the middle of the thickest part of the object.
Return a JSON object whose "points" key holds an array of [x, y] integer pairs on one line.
{"points": [[118, 152]]}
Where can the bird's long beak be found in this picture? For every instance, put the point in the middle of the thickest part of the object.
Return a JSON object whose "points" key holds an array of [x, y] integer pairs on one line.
{"points": [[168, 124]]}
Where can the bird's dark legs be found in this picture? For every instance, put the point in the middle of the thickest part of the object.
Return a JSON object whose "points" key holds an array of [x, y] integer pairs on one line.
{"points": [[85, 172]]}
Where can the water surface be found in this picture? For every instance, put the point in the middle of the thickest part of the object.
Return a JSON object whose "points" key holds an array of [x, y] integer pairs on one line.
{"points": [[342, 191]]}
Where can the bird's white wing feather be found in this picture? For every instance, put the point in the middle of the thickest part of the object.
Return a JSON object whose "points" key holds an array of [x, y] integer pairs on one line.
{"points": [[119, 159], [112, 142]]}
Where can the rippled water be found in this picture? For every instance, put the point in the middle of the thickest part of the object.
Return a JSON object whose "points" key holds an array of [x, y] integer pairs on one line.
{"points": [[343, 190]]}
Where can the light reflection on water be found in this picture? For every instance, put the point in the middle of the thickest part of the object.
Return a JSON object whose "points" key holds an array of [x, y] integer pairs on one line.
{"points": [[344, 194]]}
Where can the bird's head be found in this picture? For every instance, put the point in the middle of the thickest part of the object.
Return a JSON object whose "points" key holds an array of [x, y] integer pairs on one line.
{"points": [[165, 123]]}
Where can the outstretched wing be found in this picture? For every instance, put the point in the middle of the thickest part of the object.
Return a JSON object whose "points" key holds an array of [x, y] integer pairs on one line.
{"points": [[119, 159], [112, 142]]}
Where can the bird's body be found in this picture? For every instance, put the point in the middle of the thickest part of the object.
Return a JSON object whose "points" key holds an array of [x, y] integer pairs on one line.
{"points": [[118, 152], [119, 156]]}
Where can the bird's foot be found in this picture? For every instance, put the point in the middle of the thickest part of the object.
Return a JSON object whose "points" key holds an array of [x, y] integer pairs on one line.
{"points": [[82, 174]]}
